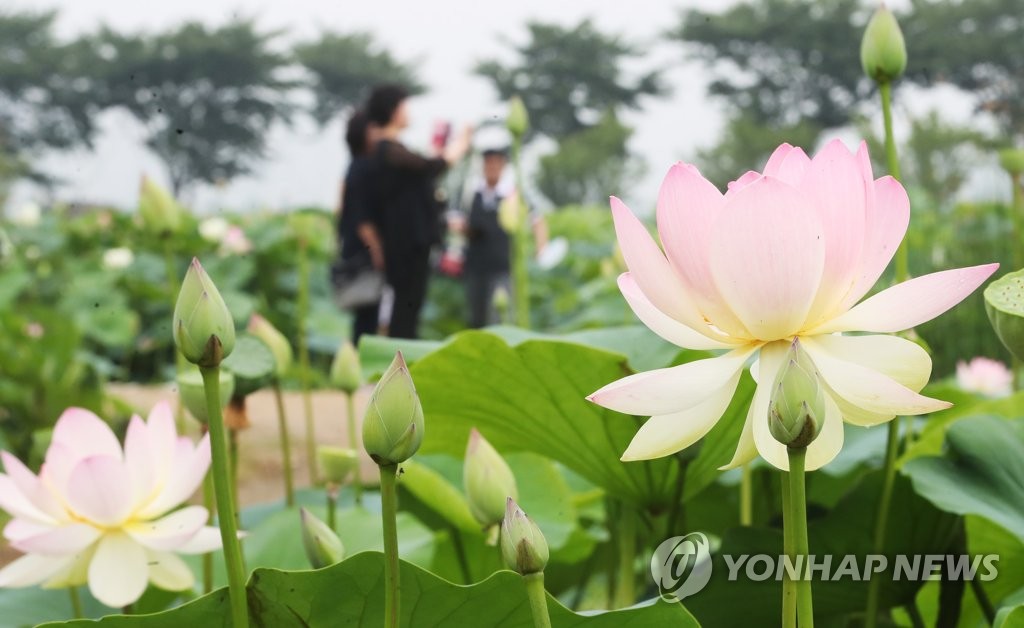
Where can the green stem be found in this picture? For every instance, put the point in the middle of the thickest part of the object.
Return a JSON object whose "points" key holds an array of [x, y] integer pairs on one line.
{"points": [[893, 165], [331, 491], [233, 451], [625, 589], [983, 601], [538, 599], [357, 483], [520, 248], [1017, 212], [788, 584], [798, 518], [389, 512], [882, 520], [286, 447], [208, 556], [76, 603], [746, 496], [302, 313], [225, 501]]}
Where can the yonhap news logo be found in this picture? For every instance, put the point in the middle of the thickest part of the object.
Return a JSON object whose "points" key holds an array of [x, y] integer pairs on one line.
{"points": [[681, 566]]}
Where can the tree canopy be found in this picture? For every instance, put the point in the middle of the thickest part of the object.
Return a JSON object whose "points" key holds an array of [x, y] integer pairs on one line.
{"points": [[206, 96], [342, 66], [569, 76]]}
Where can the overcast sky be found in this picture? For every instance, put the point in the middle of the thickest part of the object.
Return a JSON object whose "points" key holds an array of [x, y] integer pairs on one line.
{"points": [[444, 37]]}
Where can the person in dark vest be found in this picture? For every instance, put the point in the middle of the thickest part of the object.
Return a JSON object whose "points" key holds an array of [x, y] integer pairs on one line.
{"points": [[486, 265], [357, 222], [409, 220]]}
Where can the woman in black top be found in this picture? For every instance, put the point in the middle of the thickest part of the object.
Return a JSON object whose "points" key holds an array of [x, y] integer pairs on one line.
{"points": [[357, 231], [408, 219]]}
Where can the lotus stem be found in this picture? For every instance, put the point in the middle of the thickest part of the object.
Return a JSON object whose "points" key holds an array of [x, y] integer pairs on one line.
{"points": [[331, 490], [746, 496], [76, 603], [520, 273], [225, 500], [173, 287], [788, 584], [286, 447], [625, 589], [389, 512], [798, 518], [538, 599], [302, 314], [902, 272], [357, 483], [208, 556]]}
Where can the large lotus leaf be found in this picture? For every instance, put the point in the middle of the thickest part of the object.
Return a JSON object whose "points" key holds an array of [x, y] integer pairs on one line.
{"points": [[981, 473], [532, 397], [351, 593], [930, 441]]}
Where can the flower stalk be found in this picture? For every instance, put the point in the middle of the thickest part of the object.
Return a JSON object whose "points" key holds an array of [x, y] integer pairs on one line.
{"points": [[796, 520], [76, 603], [625, 581], [302, 314], [788, 584], [389, 512], [538, 599], [518, 123], [357, 483], [286, 446], [224, 498]]}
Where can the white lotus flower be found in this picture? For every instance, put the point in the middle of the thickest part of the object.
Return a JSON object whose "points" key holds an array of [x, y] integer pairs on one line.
{"points": [[105, 515]]}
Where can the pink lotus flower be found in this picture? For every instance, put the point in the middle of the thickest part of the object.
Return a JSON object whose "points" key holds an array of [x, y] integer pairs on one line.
{"points": [[984, 376], [103, 515], [783, 254]]}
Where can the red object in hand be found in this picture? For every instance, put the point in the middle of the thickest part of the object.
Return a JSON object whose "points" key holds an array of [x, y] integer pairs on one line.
{"points": [[442, 131]]}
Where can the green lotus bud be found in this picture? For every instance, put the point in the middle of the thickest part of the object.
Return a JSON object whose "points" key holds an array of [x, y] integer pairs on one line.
{"points": [[883, 53], [393, 426], [203, 328], [160, 213], [1004, 302], [488, 481], [346, 372], [337, 463], [518, 120], [322, 545], [523, 545], [797, 409], [193, 394], [1012, 160], [279, 345]]}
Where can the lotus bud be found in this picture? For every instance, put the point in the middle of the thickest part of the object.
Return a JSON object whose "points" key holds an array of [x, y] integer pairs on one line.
{"points": [[193, 394], [883, 53], [160, 213], [203, 328], [1004, 302], [488, 481], [511, 213], [518, 120], [275, 340], [797, 409], [337, 463], [523, 545], [323, 547], [1012, 160], [393, 426], [346, 372]]}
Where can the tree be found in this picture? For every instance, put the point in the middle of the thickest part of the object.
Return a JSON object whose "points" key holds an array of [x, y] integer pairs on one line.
{"points": [[568, 77], [782, 62], [45, 93], [207, 96], [342, 66], [976, 45], [588, 164]]}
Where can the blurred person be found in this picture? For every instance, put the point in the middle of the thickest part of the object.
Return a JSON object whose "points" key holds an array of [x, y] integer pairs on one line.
{"points": [[409, 220], [488, 246], [361, 246]]}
